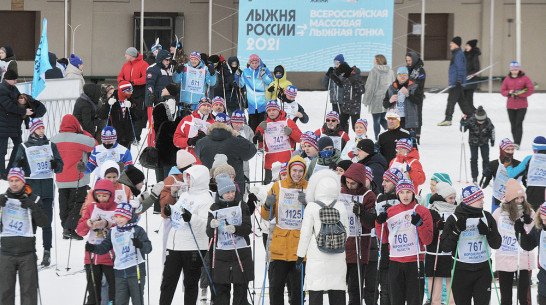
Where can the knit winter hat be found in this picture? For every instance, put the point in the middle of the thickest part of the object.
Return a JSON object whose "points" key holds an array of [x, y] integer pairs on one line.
{"points": [[203, 101], [108, 133], [472, 43], [339, 58], [363, 122], [10, 75], [219, 159], [392, 115], [135, 175], [254, 57], [345, 164], [125, 86], [219, 100], [514, 65], [238, 116], [195, 55], [405, 184], [404, 143], [513, 190], [124, 210], [506, 143], [17, 172], [366, 145], [75, 60], [35, 124], [539, 143], [156, 47], [332, 115], [457, 40], [224, 184], [297, 163], [402, 70], [480, 114], [444, 189], [284, 169], [272, 104], [543, 209], [394, 175], [291, 91], [472, 194], [369, 173], [175, 43], [324, 142], [184, 159], [222, 118], [101, 191], [311, 138], [132, 51], [173, 89], [441, 177]]}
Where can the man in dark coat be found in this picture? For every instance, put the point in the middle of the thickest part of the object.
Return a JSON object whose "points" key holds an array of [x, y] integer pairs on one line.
{"points": [[471, 54], [237, 94], [85, 109], [417, 75], [386, 143], [368, 157], [221, 139], [402, 97], [224, 78], [158, 76]]}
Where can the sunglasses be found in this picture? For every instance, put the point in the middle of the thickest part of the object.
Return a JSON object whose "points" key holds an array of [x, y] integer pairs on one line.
{"points": [[328, 121], [403, 74]]}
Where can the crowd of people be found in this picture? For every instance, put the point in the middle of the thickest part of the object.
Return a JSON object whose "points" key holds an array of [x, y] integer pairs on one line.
{"points": [[340, 215]]}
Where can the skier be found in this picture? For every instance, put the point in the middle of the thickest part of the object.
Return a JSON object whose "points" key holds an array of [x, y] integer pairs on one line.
{"points": [[386, 143], [333, 129], [403, 97], [110, 149], [277, 87], [194, 77], [332, 82], [407, 161], [293, 109], [417, 74], [360, 128], [256, 78], [352, 95], [480, 131], [327, 159]]}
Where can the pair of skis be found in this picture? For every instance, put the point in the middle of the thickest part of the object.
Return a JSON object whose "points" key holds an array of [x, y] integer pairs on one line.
{"points": [[468, 77]]}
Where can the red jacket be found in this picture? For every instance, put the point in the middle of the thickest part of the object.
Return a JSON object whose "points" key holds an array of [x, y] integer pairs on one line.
{"points": [[341, 133], [424, 231], [72, 142], [182, 133], [83, 229], [134, 71], [283, 156], [416, 173], [519, 83]]}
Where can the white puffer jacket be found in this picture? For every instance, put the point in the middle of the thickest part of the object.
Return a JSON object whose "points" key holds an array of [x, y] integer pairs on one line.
{"points": [[323, 271], [199, 195]]}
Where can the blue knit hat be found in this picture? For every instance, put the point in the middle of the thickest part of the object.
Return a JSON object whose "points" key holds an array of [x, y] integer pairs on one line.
{"points": [[339, 58], [124, 210], [405, 184], [539, 143], [402, 70], [222, 118], [224, 184], [108, 133], [441, 177], [472, 194], [75, 60]]}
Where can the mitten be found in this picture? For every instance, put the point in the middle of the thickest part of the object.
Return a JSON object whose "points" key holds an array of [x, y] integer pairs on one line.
{"points": [[111, 101], [382, 218], [215, 223], [270, 200], [137, 243], [416, 219]]}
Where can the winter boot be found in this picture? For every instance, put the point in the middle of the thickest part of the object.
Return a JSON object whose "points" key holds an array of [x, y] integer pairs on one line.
{"points": [[66, 234], [75, 235], [445, 123], [204, 296], [46, 260]]}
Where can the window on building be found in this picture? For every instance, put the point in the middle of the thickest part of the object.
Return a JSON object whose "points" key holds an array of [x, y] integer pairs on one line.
{"points": [[158, 25], [18, 30], [438, 34]]}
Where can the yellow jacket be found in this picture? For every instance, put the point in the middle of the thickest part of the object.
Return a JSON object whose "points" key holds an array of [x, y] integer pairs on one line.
{"points": [[284, 244], [276, 83]]}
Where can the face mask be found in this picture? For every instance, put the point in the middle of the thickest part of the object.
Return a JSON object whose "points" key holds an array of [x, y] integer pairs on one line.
{"points": [[108, 146], [326, 154], [278, 76]]}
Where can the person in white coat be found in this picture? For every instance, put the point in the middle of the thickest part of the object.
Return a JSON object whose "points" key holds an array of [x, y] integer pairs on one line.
{"points": [[323, 271], [189, 221]]}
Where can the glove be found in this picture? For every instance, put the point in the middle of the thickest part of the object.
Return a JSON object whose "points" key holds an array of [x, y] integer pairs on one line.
{"points": [[3, 200], [251, 201], [482, 182], [211, 70], [387, 206], [157, 188], [287, 130], [382, 218], [299, 263], [330, 71], [519, 227], [263, 125], [100, 224], [167, 210], [271, 89], [152, 99], [174, 191], [461, 224], [111, 101], [440, 224], [21, 163], [137, 243], [258, 138], [238, 72], [229, 229], [28, 203], [416, 219], [53, 164], [262, 73], [186, 215], [483, 229], [527, 219], [408, 167], [215, 223], [80, 166], [127, 104], [193, 141], [492, 143], [89, 247], [180, 69], [270, 200], [458, 83], [301, 198]]}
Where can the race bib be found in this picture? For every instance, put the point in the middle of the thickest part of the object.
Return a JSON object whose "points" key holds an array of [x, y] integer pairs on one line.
{"points": [[125, 252], [402, 235], [400, 107], [233, 216], [195, 80], [290, 210], [121, 195], [16, 221], [499, 186], [336, 139], [196, 125], [107, 155], [275, 138], [542, 250], [39, 160], [291, 110], [380, 206], [96, 237], [509, 245], [177, 221], [537, 170], [355, 228], [471, 244]]}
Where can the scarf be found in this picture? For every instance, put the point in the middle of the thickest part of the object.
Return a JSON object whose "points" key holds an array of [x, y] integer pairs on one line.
{"points": [[128, 226]]}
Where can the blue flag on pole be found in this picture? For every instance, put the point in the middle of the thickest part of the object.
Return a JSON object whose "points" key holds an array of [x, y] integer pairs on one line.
{"points": [[41, 64]]}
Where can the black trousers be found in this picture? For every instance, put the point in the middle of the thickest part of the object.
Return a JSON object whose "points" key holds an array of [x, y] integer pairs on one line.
{"points": [[469, 98], [4, 151], [279, 273], [456, 96], [407, 285], [352, 283], [524, 287], [370, 284], [471, 285], [22, 269], [335, 107], [223, 294], [344, 120], [268, 176], [98, 271], [335, 297], [254, 119], [70, 205], [384, 298], [188, 262], [541, 299], [516, 117], [484, 150]]}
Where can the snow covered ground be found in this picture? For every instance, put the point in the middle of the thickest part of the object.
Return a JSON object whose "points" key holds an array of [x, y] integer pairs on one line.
{"points": [[440, 152]]}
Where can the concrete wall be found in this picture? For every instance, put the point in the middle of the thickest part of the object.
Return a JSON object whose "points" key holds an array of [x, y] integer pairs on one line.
{"points": [[107, 30]]}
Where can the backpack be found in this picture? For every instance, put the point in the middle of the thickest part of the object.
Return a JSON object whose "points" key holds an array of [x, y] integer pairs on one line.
{"points": [[332, 236]]}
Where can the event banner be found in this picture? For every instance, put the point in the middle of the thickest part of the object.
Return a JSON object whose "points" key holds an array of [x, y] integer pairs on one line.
{"points": [[306, 35]]}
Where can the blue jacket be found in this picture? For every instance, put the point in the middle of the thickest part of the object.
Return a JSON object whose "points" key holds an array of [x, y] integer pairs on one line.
{"points": [[189, 97], [157, 78], [457, 67], [255, 87]]}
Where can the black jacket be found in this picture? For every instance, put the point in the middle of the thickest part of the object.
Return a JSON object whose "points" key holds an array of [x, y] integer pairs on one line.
{"points": [[472, 65], [379, 165], [157, 78], [164, 133], [385, 253], [54, 72], [411, 102], [528, 242], [224, 81], [352, 92], [386, 143], [85, 109], [11, 115], [480, 134], [417, 74], [123, 124], [236, 99]]}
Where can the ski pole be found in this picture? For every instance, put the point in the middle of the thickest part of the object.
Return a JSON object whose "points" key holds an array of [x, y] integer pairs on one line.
{"points": [[132, 126], [92, 276], [108, 117], [491, 267], [202, 259], [242, 269], [267, 256], [468, 77], [38, 279], [435, 264], [70, 242], [140, 290], [358, 255], [517, 271], [377, 277], [327, 100], [418, 265], [453, 270], [214, 248], [302, 269]]}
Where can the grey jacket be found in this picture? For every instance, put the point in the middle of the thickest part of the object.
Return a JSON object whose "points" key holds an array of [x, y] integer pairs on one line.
{"points": [[379, 80]]}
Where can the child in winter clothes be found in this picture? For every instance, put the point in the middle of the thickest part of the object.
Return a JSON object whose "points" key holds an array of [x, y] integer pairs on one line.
{"points": [[360, 128], [409, 228], [333, 129], [324, 187], [110, 149], [481, 131], [279, 134], [40, 159], [515, 217], [497, 169], [130, 244], [309, 146], [229, 225], [438, 264], [277, 88], [18, 251], [327, 159], [95, 223], [407, 161], [294, 111], [238, 123], [533, 239], [434, 180], [471, 225]]}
